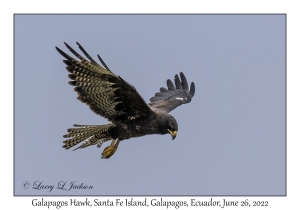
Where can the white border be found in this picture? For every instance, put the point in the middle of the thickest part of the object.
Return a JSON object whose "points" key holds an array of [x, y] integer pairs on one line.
{"points": [[254, 6]]}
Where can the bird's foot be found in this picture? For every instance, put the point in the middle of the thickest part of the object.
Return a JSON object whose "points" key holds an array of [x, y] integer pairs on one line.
{"points": [[110, 150]]}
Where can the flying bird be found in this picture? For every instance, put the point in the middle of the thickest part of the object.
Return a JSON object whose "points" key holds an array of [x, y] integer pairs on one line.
{"points": [[111, 97]]}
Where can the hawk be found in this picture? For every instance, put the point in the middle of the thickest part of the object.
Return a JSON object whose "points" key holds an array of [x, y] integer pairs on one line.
{"points": [[111, 97]]}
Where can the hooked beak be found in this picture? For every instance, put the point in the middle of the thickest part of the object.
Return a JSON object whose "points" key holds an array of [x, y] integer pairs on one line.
{"points": [[173, 134]]}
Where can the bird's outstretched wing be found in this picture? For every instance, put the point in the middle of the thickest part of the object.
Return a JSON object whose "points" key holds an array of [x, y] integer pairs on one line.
{"points": [[105, 93], [168, 99]]}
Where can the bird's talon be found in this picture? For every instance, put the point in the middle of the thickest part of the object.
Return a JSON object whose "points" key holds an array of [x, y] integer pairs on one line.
{"points": [[110, 150]]}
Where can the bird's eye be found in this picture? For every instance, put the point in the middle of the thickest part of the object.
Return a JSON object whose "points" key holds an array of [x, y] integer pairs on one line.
{"points": [[170, 128]]}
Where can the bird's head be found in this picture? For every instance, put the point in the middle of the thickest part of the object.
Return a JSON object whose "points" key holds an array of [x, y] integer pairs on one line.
{"points": [[171, 126]]}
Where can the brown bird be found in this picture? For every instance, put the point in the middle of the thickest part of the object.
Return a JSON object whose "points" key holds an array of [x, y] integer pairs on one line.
{"points": [[109, 96]]}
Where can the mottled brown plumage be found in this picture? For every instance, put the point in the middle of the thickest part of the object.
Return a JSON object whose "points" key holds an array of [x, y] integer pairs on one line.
{"points": [[109, 96]]}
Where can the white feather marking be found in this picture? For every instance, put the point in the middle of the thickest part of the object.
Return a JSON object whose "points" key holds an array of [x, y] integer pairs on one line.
{"points": [[180, 98]]}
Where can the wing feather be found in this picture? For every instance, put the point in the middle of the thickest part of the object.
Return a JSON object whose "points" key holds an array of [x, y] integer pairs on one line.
{"points": [[176, 95], [170, 85], [105, 93], [184, 82], [192, 90], [177, 82]]}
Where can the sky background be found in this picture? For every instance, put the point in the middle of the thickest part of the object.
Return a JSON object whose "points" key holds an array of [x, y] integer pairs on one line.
{"points": [[231, 138]]}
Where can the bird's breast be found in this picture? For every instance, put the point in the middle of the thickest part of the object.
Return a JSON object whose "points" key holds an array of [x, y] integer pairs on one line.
{"points": [[134, 130]]}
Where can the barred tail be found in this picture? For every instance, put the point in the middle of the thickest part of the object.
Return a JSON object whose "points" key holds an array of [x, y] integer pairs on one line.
{"points": [[93, 134]]}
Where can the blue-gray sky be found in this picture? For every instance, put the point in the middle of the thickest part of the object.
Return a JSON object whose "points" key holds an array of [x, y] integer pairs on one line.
{"points": [[231, 138]]}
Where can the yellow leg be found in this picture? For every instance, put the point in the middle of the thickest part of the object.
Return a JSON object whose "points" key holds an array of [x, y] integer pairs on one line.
{"points": [[110, 150]]}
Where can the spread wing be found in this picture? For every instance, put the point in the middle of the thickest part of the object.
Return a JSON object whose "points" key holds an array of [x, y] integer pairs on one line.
{"points": [[168, 99], [105, 93]]}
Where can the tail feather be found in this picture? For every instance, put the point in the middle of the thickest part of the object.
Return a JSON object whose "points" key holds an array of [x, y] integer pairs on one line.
{"points": [[75, 132], [89, 134], [91, 141]]}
